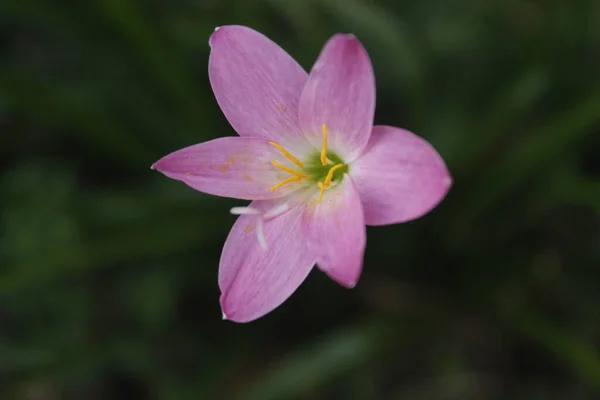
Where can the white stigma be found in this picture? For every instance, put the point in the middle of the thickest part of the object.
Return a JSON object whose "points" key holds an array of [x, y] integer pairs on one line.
{"points": [[277, 210], [260, 232], [244, 211], [260, 235]]}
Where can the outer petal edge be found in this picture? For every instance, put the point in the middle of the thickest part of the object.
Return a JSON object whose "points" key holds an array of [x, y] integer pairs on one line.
{"points": [[253, 281], [230, 166], [256, 84], [336, 233], [400, 177], [340, 93]]}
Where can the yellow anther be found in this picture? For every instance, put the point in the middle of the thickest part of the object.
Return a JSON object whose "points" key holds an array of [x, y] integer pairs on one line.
{"points": [[289, 170], [324, 149], [286, 181], [322, 187], [329, 176], [287, 154]]}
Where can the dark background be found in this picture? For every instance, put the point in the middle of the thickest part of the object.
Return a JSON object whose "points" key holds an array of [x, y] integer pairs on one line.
{"points": [[108, 270]]}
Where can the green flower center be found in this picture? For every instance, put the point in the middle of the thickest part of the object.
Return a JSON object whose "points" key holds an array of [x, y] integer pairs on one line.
{"points": [[324, 167], [318, 172]]}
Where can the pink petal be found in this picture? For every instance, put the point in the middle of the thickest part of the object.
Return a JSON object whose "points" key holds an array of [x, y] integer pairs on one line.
{"points": [[400, 177], [254, 281], [336, 232], [231, 167], [257, 84], [340, 93]]}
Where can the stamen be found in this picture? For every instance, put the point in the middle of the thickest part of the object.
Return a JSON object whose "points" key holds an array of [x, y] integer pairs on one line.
{"points": [[285, 181], [287, 154], [324, 149], [322, 187], [289, 170], [329, 176]]}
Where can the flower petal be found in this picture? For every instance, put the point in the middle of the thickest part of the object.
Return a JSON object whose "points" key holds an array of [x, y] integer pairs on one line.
{"points": [[400, 177], [340, 93], [254, 281], [231, 167], [336, 232], [257, 84]]}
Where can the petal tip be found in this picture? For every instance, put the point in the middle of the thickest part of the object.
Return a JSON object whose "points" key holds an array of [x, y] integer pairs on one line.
{"points": [[211, 39], [157, 166], [225, 314], [347, 38], [229, 311], [230, 32], [344, 281], [351, 284], [447, 181], [213, 36]]}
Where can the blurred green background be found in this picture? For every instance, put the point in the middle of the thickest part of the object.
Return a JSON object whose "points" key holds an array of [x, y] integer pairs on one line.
{"points": [[108, 271]]}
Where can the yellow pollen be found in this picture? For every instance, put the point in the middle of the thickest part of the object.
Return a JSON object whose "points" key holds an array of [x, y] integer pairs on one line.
{"points": [[287, 154], [285, 181], [322, 187], [289, 170], [329, 176], [324, 149]]}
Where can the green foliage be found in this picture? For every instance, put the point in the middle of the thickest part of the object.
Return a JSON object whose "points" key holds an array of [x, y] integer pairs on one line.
{"points": [[108, 270]]}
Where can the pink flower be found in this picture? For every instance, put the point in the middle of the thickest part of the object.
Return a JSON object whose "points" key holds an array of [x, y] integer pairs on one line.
{"points": [[309, 158]]}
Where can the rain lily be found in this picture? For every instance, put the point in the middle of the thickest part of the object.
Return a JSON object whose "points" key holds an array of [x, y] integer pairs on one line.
{"points": [[309, 158]]}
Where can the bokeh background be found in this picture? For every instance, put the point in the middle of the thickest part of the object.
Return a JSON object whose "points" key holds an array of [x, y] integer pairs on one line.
{"points": [[108, 270]]}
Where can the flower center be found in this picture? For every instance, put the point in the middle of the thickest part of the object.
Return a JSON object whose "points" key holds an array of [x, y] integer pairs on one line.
{"points": [[323, 168]]}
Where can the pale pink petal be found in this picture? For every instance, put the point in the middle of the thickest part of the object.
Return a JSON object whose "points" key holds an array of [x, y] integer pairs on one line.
{"points": [[400, 177], [254, 281], [231, 167], [336, 232], [340, 93], [257, 85]]}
